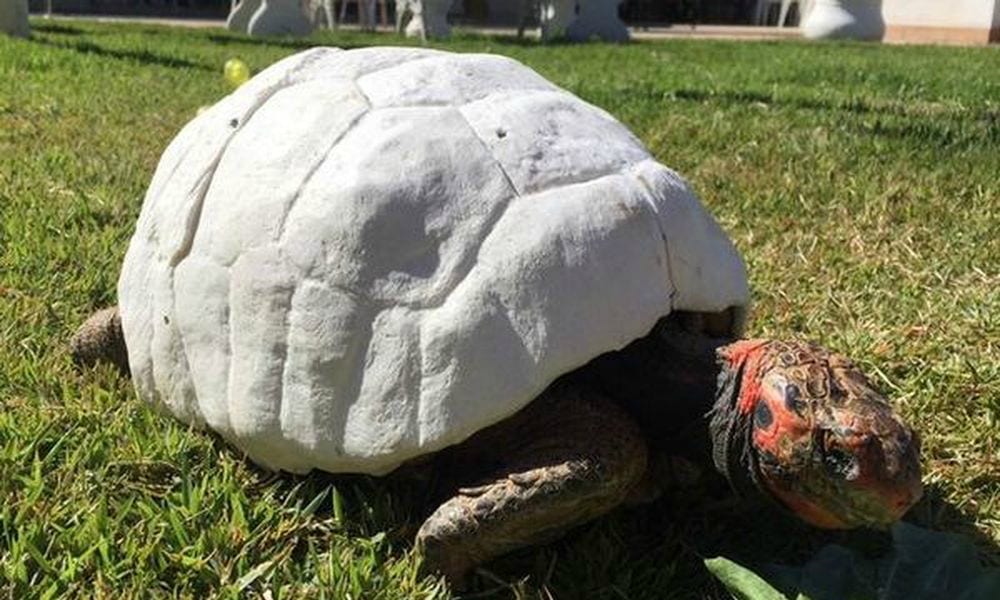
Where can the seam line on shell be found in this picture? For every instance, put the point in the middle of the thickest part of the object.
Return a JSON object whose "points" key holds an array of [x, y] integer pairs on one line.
{"points": [[472, 258], [358, 353], [194, 216], [283, 378], [418, 379], [181, 254], [230, 353], [560, 99], [489, 152], [196, 404], [487, 227], [461, 105], [508, 410], [380, 305], [191, 225], [319, 163], [647, 198], [162, 186], [434, 54]]}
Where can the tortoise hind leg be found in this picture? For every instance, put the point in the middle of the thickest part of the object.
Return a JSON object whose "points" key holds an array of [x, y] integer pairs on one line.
{"points": [[100, 339], [568, 457]]}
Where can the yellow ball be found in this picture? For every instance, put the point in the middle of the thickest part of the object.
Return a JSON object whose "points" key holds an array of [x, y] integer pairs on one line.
{"points": [[236, 72]]}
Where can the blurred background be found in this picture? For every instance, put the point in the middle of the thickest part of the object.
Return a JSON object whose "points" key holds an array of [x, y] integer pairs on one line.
{"points": [[491, 12]]}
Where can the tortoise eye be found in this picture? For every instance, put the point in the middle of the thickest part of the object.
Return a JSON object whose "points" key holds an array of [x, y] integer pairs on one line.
{"points": [[762, 416]]}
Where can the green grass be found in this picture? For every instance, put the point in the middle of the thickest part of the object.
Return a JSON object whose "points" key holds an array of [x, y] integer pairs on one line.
{"points": [[859, 181]]}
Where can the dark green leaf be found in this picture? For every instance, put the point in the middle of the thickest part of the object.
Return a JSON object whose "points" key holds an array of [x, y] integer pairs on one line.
{"points": [[741, 582], [922, 565]]}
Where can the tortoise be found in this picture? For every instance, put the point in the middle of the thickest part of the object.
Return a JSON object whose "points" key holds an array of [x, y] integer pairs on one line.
{"points": [[361, 259]]}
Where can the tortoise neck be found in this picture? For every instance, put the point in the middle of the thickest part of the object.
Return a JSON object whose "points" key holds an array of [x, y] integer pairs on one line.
{"points": [[668, 382], [691, 394], [730, 420]]}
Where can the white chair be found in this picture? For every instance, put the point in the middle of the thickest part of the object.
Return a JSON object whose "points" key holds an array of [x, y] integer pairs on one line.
{"points": [[526, 10], [366, 12], [322, 13], [555, 17], [279, 17], [597, 19], [764, 10], [575, 20], [804, 7], [423, 18], [240, 13]]}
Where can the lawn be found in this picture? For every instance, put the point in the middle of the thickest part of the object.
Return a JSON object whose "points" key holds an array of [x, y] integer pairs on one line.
{"points": [[859, 181]]}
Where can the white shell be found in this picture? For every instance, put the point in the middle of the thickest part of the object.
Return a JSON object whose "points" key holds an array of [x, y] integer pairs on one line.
{"points": [[363, 256]]}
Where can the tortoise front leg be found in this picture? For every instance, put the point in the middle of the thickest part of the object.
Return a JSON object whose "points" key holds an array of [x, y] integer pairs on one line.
{"points": [[570, 456]]}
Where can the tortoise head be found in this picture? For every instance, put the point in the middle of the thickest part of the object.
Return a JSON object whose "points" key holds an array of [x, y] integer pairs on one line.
{"points": [[824, 442]]}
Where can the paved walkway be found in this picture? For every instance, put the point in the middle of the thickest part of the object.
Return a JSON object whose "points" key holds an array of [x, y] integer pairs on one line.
{"points": [[720, 32], [170, 22]]}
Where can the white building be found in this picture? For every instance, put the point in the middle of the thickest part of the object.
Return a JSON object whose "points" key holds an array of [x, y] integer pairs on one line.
{"points": [[947, 21]]}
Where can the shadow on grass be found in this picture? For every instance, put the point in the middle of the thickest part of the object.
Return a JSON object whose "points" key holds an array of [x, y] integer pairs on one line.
{"points": [[751, 97], [291, 43], [659, 549], [324, 38], [936, 513], [331, 37], [55, 28], [141, 56], [896, 120], [649, 551], [655, 550], [506, 39]]}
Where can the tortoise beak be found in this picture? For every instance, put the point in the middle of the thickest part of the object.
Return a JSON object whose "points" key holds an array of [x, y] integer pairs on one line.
{"points": [[889, 470], [831, 448], [871, 479]]}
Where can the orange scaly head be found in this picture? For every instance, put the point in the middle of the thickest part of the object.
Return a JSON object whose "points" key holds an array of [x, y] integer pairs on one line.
{"points": [[826, 444]]}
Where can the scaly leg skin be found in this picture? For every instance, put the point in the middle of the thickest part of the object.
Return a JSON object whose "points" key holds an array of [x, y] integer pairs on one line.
{"points": [[565, 459], [100, 339], [666, 475]]}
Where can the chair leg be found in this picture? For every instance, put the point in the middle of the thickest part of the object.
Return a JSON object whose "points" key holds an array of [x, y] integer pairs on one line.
{"points": [[804, 7], [522, 16], [370, 15], [786, 5], [331, 13]]}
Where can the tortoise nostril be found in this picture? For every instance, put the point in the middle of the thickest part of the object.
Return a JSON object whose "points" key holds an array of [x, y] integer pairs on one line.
{"points": [[840, 463]]}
